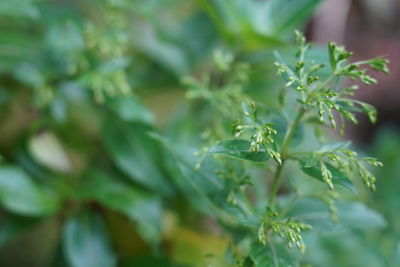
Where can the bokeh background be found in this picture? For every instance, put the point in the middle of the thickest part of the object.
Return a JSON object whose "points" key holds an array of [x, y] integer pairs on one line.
{"points": [[81, 82]]}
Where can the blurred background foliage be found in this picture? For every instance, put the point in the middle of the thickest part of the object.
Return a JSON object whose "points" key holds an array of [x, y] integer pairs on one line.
{"points": [[97, 139]]}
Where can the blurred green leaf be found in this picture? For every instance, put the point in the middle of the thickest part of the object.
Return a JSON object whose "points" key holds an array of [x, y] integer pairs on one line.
{"points": [[196, 184], [266, 256], [136, 154], [47, 150], [260, 24], [340, 248], [357, 215], [239, 149], [143, 208], [287, 15], [334, 147], [86, 242], [30, 75], [21, 8], [353, 215], [149, 261], [130, 109], [387, 147], [165, 52], [19, 194], [197, 49], [64, 39]]}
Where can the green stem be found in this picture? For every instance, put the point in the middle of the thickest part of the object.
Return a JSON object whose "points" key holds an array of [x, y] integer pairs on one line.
{"points": [[284, 154], [290, 132], [275, 184]]}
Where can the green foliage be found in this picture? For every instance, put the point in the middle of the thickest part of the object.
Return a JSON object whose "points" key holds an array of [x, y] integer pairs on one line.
{"points": [[329, 163], [240, 149], [21, 195], [106, 161], [86, 242], [140, 206]]}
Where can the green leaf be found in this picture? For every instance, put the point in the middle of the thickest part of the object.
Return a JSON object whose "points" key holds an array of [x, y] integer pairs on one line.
{"points": [[358, 215], [149, 260], [338, 177], [379, 64], [162, 50], [397, 253], [25, 8], [195, 184], [353, 215], [262, 19], [47, 150], [332, 57], [239, 149], [199, 48], [130, 109], [30, 75], [136, 154], [330, 147], [370, 111], [289, 73], [287, 15], [86, 243], [143, 208], [266, 256], [19, 194]]}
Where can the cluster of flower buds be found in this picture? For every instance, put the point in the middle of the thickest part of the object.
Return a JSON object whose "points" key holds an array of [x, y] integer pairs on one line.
{"points": [[289, 229]]}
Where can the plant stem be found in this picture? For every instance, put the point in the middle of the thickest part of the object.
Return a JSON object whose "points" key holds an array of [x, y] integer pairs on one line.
{"points": [[275, 184], [290, 132], [284, 153]]}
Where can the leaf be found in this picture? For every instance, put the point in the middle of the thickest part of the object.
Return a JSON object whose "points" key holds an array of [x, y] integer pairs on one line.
{"points": [[129, 108], [287, 15], [353, 215], [261, 21], [239, 149], [167, 53], [25, 8], [149, 260], [86, 242], [30, 75], [358, 215], [289, 73], [370, 111], [47, 150], [136, 154], [143, 208], [266, 256], [338, 177], [206, 36], [196, 184], [397, 253], [254, 41], [340, 248], [334, 146], [19, 194]]}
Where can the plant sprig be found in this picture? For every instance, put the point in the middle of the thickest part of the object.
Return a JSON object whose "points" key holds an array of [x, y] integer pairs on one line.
{"points": [[319, 99]]}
